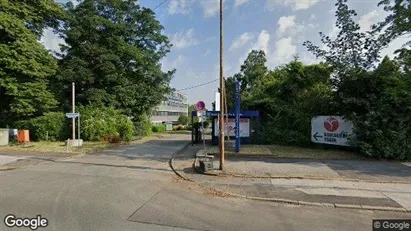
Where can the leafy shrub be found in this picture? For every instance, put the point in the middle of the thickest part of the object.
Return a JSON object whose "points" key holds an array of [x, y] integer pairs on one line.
{"points": [[52, 126], [159, 128], [142, 126], [379, 104], [98, 123], [182, 119]]}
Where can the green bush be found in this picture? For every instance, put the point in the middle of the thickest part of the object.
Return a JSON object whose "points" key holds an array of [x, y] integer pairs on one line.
{"points": [[126, 129], [159, 128], [183, 119], [379, 105], [142, 126], [99, 123], [52, 126]]}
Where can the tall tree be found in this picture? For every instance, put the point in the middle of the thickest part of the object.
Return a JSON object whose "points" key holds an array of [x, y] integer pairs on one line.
{"points": [[253, 69], [25, 65], [113, 54], [351, 48], [396, 24]]}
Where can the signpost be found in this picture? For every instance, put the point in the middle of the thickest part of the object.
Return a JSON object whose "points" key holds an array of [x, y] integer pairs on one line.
{"points": [[332, 130], [237, 116], [200, 107], [72, 115]]}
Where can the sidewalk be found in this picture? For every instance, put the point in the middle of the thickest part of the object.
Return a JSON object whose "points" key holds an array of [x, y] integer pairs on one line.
{"points": [[343, 183]]}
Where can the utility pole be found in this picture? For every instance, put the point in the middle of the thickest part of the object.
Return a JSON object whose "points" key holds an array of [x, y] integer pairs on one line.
{"points": [[221, 124], [74, 111]]}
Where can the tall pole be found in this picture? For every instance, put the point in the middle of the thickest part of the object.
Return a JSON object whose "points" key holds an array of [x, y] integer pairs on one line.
{"points": [[221, 125], [74, 111]]}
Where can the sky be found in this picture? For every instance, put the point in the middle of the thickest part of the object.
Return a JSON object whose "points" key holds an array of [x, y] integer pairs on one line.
{"points": [[278, 27]]}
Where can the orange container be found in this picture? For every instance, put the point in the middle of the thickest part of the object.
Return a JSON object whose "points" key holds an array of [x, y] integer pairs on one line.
{"points": [[23, 136]]}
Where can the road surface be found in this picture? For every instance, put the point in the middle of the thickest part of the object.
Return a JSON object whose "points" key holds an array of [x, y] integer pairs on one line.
{"points": [[133, 188]]}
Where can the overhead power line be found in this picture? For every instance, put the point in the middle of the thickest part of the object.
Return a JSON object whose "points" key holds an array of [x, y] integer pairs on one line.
{"points": [[199, 85], [160, 4]]}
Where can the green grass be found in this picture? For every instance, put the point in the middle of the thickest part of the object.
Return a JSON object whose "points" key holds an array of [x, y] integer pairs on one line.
{"points": [[311, 153], [286, 152], [60, 147], [244, 150]]}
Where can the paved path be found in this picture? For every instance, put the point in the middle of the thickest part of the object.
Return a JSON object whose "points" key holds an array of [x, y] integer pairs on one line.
{"points": [[129, 188], [364, 170], [360, 191]]}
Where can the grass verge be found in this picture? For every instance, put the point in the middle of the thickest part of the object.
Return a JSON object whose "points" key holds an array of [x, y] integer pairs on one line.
{"points": [[312, 153], [60, 147], [286, 152]]}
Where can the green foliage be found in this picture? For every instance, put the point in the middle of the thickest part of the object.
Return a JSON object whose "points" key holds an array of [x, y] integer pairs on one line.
{"points": [[142, 125], [288, 98], [159, 128], [183, 119], [379, 104], [397, 23], [190, 109], [113, 54], [377, 101], [99, 122], [351, 48], [25, 65], [52, 126]]}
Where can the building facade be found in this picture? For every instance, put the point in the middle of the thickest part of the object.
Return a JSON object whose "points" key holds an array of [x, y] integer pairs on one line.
{"points": [[169, 110]]}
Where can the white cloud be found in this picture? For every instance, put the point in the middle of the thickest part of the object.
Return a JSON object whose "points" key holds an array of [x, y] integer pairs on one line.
{"points": [[262, 41], [178, 61], [308, 58], [370, 18], [179, 7], [238, 3], [241, 41], [169, 64], [182, 40], [51, 41], [210, 7], [288, 26], [283, 53], [294, 4], [312, 17], [286, 22]]}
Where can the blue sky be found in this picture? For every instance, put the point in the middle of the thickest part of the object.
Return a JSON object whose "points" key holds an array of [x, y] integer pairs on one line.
{"points": [[279, 27]]}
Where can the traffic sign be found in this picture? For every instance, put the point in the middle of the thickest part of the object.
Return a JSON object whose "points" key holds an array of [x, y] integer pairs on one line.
{"points": [[72, 115], [332, 130], [200, 106]]}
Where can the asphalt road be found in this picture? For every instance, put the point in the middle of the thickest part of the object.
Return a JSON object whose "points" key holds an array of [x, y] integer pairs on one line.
{"points": [[132, 188]]}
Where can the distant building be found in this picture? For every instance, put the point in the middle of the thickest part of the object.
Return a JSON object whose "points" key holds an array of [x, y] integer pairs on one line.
{"points": [[169, 110]]}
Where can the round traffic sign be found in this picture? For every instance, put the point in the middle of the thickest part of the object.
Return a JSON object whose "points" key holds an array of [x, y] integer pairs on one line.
{"points": [[200, 106]]}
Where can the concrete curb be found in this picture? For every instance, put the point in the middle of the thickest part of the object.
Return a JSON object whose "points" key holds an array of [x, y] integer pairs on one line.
{"points": [[225, 174], [8, 168], [170, 161], [305, 203]]}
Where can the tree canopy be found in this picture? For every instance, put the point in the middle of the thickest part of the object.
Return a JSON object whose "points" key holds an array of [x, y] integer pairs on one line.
{"points": [[113, 55], [25, 65]]}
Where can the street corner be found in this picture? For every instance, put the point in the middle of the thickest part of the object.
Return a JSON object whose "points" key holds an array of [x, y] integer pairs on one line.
{"points": [[6, 159]]}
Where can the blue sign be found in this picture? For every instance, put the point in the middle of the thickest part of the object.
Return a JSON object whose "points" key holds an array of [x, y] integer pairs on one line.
{"points": [[230, 113], [237, 116], [72, 115]]}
